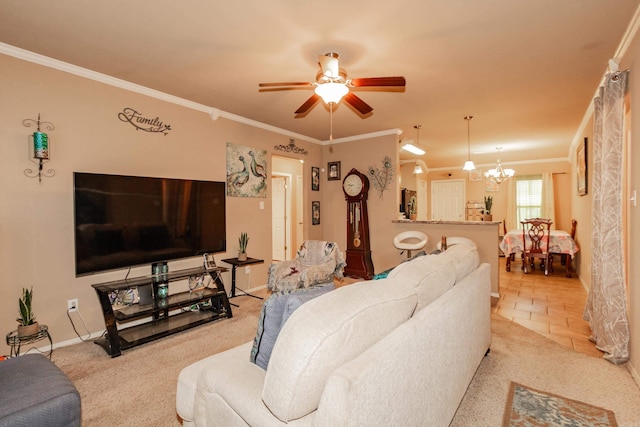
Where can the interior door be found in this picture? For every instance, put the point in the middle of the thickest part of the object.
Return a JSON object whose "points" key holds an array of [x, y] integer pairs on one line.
{"points": [[447, 200], [278, 218], [299, 213]]}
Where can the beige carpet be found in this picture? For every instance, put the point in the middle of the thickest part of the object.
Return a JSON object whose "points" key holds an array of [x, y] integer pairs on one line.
{"points": [[138, 388], [520, 355]]}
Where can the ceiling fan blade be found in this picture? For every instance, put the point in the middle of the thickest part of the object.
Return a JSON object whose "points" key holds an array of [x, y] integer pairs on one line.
{"points": [[308, 104], [285, 84], [378, 81], [357, 103], [329, 65]]}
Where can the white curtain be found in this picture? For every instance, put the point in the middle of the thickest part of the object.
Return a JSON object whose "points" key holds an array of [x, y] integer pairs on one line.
{"points": [[548, 198], [606, 305], [511, 220]]}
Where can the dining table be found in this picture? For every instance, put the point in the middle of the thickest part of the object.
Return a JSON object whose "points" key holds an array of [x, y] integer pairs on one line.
{"points": [[561, 243]]}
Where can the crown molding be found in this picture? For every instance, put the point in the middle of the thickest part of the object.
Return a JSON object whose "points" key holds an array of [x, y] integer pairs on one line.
{"points": [[214, 113], [621, 51], [363, 136], [492, 165]]}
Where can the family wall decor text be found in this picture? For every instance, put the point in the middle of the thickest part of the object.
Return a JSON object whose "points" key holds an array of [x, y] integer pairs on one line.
{"points": [[138, 121]]}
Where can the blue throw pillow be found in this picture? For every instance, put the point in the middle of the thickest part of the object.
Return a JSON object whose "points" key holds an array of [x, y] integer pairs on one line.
{"points": [[275, 312]]}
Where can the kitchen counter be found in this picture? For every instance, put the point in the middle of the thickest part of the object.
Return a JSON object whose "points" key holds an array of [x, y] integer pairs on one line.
{"points": [[484, 233], [440, 221]]}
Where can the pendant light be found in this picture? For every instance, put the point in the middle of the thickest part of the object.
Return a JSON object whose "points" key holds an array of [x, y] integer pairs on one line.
{"points": [[468, 165]]}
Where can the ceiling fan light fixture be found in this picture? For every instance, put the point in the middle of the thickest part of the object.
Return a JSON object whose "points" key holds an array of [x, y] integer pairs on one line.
{"points": [[331, 92]]}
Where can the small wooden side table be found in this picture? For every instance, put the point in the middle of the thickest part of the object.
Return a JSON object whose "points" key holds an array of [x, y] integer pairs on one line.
{"points": [[235, 263], [15, 342]]}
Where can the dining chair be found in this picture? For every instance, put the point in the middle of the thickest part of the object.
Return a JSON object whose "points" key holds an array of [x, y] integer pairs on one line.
{"points": [[501, 236], [563, 257], [537, 246]]}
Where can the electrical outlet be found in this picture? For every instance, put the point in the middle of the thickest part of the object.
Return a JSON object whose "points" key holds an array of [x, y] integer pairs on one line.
{"points": [[247, 270], [72, 304]]}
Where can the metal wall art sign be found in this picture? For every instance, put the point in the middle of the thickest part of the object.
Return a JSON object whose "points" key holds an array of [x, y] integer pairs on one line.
{"points": [[291, 148], [139, 122], [381, 178]]}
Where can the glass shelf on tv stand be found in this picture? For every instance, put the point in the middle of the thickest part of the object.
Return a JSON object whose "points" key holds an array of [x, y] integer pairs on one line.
{"points": [[164, 316]]}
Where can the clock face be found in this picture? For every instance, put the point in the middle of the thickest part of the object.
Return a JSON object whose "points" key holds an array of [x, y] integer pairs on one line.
{"points": [[352, 185]]}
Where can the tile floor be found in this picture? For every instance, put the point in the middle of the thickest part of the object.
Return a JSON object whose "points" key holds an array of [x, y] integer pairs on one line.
{"points": [[549, 305]]}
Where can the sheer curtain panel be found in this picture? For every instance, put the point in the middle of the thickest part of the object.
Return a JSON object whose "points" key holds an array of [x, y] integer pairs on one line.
{"points": [[606, 304]]}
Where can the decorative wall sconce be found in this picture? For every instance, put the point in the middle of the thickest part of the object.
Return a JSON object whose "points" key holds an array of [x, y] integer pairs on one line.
{"points": [[39, 148]]}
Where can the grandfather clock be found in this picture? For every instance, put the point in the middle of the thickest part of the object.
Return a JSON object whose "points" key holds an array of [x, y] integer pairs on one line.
{"points": [[356, 190]]}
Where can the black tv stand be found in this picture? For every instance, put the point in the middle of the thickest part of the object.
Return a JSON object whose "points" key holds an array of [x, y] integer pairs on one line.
{"points": [[164, 316]]}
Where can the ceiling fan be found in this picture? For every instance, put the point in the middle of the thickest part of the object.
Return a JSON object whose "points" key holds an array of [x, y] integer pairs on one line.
{"points": [[332, 85]]}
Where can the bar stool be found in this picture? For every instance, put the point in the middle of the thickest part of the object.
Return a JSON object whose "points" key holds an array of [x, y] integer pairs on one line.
{"points": [[410, 241], [457, 241]]}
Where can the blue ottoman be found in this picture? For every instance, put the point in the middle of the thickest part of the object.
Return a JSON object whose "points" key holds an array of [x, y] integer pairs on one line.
{"points": [[35, 392]]}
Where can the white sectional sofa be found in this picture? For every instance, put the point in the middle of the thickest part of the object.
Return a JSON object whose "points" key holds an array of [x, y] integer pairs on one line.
{"points": [[397, 351]]}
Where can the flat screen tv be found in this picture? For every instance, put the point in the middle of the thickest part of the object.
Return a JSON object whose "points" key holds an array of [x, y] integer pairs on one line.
{"points": [[123, 221]]}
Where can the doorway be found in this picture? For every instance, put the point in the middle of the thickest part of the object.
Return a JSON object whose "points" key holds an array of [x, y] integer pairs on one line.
{"points": [[287, 219], [447, 200], [280, 227]]}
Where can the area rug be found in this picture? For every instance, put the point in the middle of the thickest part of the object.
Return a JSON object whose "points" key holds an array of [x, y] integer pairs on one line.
{"points": [[527, 407]]}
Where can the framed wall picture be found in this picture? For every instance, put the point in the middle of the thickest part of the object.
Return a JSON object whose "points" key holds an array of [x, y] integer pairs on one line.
{"points": [[333, 173], [581, 167], [491, 186], [315, 213], [475, 175], [315, 178]]}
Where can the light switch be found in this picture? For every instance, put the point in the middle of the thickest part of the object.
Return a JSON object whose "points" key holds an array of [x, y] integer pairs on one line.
{"points": [[261, 205]]}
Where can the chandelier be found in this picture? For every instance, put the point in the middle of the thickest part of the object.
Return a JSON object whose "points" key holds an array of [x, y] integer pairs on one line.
{"points": [[468, 165], [499, 175]]}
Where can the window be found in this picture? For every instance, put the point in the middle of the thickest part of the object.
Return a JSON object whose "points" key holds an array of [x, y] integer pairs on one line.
{"points": [[528, 197]]}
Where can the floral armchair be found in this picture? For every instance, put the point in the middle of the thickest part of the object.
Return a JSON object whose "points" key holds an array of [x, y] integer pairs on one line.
{"points": [[316, 262]]}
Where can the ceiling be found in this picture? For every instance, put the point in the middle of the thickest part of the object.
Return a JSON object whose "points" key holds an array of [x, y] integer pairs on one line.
{"points": [[526, 70]]}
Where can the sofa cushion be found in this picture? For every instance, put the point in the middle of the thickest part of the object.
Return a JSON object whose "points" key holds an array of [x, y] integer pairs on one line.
{"points": [[466, 259], [325, 333], [415, 269], [385, 273], [275, 312], [429, 277]]}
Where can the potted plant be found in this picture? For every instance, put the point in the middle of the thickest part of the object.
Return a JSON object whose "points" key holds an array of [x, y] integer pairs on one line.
{"points": [[488, 203], [243, 240], [27, 321]]}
